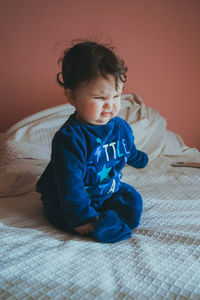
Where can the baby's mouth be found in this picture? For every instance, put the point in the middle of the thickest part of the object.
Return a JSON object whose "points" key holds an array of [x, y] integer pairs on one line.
{"points": [[106, 113]]}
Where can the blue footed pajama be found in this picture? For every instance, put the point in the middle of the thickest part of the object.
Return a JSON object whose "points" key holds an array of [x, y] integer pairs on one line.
{"points": [[82, 182]]}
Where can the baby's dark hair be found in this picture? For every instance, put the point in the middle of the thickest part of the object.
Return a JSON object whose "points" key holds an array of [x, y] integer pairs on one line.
{"points": [[88, 60]]}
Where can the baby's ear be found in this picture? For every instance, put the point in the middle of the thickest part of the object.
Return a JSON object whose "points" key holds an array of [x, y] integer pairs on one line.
{"points": [[69, 95]]}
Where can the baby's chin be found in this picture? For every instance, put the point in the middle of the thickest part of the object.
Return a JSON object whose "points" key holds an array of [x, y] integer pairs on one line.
{"points": [[93, 122], [99, 120], [102, 120]]}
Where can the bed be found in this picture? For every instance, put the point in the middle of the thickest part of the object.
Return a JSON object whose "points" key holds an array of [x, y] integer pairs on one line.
{"points": [[160, 261]]}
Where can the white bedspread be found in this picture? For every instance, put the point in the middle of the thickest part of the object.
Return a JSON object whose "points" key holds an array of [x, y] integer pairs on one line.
{"points": [[160, 261]]}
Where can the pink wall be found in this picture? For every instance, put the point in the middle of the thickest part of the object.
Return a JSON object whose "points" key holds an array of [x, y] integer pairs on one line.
{"points": [[159, 40]]}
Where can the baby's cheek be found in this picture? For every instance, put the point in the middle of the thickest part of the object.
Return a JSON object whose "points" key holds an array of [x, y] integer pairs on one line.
{"points": [[117, 107], [93, 109]]}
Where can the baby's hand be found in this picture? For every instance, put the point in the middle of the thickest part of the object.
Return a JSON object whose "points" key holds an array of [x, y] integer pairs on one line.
{"points": [[84, 229]]}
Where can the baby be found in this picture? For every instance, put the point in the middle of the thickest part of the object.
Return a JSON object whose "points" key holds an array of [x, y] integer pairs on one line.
{"points": [[81, 187]]}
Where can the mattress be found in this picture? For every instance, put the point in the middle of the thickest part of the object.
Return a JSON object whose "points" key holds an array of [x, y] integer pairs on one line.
{"points": [[160, 261]]}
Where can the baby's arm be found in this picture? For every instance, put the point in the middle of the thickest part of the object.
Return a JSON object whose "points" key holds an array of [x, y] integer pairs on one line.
{"points": [[68, 158], [137, 158]]}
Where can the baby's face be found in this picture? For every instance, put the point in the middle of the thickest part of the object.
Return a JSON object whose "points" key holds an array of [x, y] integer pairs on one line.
{"points": [[98, 101]]}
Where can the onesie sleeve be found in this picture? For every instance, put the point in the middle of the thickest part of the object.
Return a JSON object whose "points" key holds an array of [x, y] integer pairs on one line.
{"points": [[68, 164], [137, 159]]}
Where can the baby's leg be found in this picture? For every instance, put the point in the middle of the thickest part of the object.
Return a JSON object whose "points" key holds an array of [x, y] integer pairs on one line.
{"points": [[108, 227], [127, 203], [54, 213]]}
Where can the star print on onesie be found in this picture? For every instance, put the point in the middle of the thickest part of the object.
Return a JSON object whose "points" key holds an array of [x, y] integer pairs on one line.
{"points": [[99, 140], [104, 173]]}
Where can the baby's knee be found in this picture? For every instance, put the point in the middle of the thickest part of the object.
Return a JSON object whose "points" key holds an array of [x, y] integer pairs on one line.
{"points": [[134, 200], [138, 203], [135, 212], [134, 219]]}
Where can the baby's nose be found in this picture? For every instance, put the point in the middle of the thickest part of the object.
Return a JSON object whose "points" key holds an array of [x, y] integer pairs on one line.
{"points": [[108, 105]]}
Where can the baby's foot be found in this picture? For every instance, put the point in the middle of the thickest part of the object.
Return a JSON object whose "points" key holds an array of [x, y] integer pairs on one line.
{"points": [[108, 228]]}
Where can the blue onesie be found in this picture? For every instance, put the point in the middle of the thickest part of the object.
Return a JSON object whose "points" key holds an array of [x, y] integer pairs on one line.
{"points": [[82, 182]]}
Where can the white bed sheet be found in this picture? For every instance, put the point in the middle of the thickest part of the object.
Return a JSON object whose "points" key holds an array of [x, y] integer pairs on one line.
{"points": [[160, 261]]}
